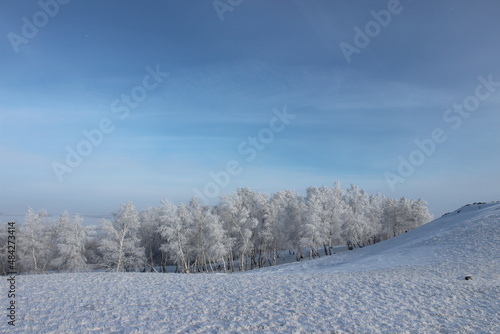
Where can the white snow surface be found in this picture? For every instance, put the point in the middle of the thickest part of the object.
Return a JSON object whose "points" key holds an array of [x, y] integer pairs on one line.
{"points": [[413, 283]]}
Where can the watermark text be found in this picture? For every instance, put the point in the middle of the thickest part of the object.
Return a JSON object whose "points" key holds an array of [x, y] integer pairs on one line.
{"points": [[454, 117], [11, 273], [94, 137], [248, 148], [30, 27]]}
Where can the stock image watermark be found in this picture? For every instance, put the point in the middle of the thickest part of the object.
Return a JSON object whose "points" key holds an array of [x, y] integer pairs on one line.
{"points": [[31, 26], [11, 273], [248, 149], [121, 107], [371, 29], [454, 117], [223, 6]]}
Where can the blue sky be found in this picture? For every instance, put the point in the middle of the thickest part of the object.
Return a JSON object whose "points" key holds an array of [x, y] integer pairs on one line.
{"points": [[353, 119]]}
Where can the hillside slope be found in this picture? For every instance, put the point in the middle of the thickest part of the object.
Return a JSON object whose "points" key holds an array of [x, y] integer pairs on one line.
{"points": [[464, 240], [413, 283]]}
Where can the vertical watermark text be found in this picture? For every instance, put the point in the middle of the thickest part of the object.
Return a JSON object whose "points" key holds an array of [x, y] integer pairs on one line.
{"points": [[11, 273]]}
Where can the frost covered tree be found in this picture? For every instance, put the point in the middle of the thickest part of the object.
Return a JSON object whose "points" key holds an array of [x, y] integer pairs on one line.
{"points": [[340, 209], [325, 209], [374, 215], [402, 215], [241, 213], [151, 239], [334, 209], [294, 216], [219, 249], [36, 242], [357, 226], [411, 214], [92, 242], [121, 245], [209, 240], [199, 239], [313, 229], [209, 236], [4, 251], [281, 229], [389, 227], [420, 214], [176, 227], [273, 237], [70, 243], [258, 206]]}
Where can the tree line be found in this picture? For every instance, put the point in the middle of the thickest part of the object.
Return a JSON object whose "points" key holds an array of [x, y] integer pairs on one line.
{"points": [[244, 230]]}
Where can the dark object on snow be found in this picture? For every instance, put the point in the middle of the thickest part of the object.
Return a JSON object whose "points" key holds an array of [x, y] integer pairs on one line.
{"points": [[468, 278]]}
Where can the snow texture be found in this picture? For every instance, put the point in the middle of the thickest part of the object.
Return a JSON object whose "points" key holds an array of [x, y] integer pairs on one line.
{"points": [[413, 283]]}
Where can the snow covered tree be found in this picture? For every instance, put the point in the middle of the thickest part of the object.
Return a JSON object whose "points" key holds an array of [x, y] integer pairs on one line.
{"points": [[403, 215], [325, 214], [4, 250], [151, 239], [258, 206], [36, 242], [176, 227], [120, 245], [281, 229], [389, 219], [294, 216], [421, 214], [209, 238], [199, 241], [317, 226], [241, 213], [357, 228], [91, 248], [334, 210], [411, 214], [374, 214], [219, 249], [70, 242], [273, 237]]}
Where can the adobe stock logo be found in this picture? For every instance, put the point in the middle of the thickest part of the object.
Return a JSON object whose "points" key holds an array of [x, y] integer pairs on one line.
{"points": [[95, 137], [30, 28], [223, 6], [249, 148], [372, 29], [428, 146]]}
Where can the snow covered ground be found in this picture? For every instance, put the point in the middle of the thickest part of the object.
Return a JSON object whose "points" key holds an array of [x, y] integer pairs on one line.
{"points": [[413, 283]]}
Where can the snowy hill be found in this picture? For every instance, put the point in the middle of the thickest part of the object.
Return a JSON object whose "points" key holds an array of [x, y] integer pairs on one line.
{"points": [[413, 283], [467, 235]]}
